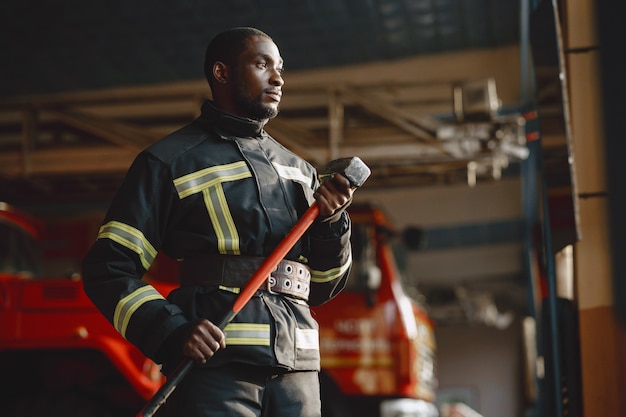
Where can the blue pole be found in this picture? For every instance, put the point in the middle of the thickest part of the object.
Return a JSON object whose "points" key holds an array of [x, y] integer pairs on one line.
{"points": [[530, 197], [529, 181]]}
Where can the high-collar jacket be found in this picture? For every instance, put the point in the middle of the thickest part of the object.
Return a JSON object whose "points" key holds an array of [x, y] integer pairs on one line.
{"points": [[220, 185]]}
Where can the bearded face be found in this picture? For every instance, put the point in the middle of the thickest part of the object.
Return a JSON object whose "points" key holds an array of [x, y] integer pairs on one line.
{"points": [[255, 80], [252, 102]]}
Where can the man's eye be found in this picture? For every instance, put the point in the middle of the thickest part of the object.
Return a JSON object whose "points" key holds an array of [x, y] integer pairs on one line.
{"points": [[261, 64]]}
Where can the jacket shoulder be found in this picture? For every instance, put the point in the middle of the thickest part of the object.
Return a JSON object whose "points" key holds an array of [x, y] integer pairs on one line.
{"points": [[179, 142], [291, 157]]}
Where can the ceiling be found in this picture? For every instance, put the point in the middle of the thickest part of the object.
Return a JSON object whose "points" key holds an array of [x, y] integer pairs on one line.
{"points": [[50, 46]]}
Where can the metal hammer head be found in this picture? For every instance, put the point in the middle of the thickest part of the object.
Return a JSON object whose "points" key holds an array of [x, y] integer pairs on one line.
{"points": [[353, 168]]}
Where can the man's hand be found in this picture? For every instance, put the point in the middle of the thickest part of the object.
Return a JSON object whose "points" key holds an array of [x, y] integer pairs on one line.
{"points": [[205, 339], [332, 194]]}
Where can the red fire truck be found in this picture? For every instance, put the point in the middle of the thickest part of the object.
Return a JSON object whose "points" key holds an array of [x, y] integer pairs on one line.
{"points": [[377, 344], [60, 357]]}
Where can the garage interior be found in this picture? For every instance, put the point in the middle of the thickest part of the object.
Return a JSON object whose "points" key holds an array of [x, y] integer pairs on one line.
{"points": [[433, 95]]}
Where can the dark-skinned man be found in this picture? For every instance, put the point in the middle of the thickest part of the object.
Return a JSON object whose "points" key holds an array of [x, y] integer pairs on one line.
{"points": [[218, 195]]}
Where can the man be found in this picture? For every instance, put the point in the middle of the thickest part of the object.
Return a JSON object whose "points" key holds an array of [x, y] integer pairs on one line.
{"points": [[219, 195]]}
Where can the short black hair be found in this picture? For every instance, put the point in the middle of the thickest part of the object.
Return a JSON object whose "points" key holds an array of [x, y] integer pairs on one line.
{"points": [[226, 47]]}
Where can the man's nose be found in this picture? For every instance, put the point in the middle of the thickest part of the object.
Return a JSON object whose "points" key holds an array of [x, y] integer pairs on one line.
{"points": [[277, 78]]}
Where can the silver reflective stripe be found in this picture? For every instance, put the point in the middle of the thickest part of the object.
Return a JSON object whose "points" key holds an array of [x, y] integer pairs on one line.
{"points": [[331, 274], [130, 238], [198, 181], [127, 306], [221, 219], [292, 173], [307, 339], [253, 334], [209, 182]]}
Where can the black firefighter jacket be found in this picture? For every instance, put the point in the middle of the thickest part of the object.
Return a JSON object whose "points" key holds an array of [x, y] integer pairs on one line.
{"points": [[219, 185]]}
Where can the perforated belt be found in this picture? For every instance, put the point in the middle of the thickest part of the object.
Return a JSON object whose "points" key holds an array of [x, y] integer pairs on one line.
{"points": [[290, 277]]}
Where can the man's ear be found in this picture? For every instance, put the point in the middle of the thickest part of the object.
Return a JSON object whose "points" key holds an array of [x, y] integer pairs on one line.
{"points": [[220, 72]]}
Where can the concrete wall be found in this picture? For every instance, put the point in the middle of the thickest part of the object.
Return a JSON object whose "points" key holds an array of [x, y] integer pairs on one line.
{"points": [[457, 205], [485, 363], [602, 336]]}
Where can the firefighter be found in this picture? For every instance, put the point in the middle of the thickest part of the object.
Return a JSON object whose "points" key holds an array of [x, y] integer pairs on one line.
{"points": [[218, 195]]}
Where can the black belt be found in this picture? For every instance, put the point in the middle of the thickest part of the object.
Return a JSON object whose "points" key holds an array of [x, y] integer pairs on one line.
{"points": [[290, 277]]}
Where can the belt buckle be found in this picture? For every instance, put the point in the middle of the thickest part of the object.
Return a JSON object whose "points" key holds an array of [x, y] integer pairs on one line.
{"points": [[269, 283]]}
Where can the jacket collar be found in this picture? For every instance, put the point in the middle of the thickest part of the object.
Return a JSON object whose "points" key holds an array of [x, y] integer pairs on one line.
{"points": [[228, 124]]}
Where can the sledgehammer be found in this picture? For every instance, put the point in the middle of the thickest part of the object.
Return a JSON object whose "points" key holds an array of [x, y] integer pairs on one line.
{"points": [[355, 170]]}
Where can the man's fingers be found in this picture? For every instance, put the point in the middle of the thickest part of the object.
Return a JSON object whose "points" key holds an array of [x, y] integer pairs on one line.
{"points": [[218, 335], [333, 194], [341, 181], [205, 339]]}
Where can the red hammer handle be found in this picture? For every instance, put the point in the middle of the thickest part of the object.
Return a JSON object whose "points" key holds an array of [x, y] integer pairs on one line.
{"points": [[275, 257], [356, 172], [259, 277]]}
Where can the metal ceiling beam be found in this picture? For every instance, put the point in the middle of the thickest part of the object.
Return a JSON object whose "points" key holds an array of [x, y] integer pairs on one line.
{"points": [[407, 122], [107, 159], [29, 133], [67, 162], [118, 133], [390, 122]]}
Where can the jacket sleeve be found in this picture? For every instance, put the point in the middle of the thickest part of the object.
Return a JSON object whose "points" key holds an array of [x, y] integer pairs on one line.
{"points": [[127, 243], [330, 255]]}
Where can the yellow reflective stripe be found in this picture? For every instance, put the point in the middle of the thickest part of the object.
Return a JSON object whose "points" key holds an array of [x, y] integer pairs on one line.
{"points": [[197, 181], [222, 220], [131, 238], [247, 341], [235, 290], [331, 274], [129, 304], [345, 362], [253, 334], [292, 173], [209, 181], [307, 339]]}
